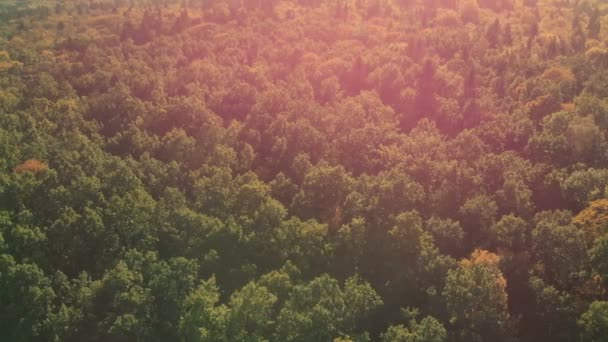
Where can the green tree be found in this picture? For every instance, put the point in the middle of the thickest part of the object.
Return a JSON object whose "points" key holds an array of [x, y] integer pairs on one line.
{"points": [[123, 305], [203, 319], [478, 214], [27, 300], [251, 314], [322, 193], [476, 298], [594, 322], [559, 248], [320, 310], [427, 330]]}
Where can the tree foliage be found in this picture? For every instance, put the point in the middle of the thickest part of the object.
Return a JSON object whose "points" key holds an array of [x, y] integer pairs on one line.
{"points": [[303, 170]]}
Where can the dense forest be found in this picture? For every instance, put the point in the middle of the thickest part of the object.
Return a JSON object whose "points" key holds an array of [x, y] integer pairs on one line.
{"points": [[304, 170]]}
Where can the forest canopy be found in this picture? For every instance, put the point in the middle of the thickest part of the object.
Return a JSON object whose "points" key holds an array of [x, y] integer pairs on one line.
{"points": [[304, 170]]}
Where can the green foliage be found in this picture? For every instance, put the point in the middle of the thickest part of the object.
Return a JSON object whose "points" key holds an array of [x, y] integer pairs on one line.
{"points": [[594, 322], [203, 319], [320, 309], [559, 248], [251, 314], [279, 170], [476, 298], [26, 297], [428, 330]]}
